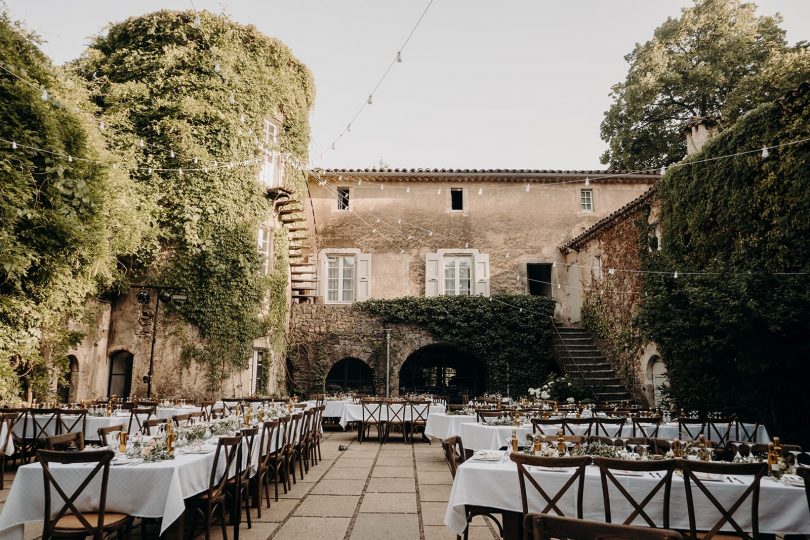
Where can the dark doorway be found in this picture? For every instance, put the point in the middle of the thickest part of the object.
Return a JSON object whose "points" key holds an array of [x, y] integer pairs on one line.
{"points": [[443, 369], [67, 390], [539, 278], [350, 374], [120, 374]]}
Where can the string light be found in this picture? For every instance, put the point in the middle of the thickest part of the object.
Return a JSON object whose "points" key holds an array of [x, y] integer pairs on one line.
{"points": [[197, 21], [587, 181], [439, 191], [370, 100], [44, 95], [101, 125], [70, 158], [141, 143], [528, 188], [171, 153], [382, 187], [480, 191], [765, 152], [611, 271], [13, 145], [399, 57], [663, 170], [675, 275], [217, 67]]}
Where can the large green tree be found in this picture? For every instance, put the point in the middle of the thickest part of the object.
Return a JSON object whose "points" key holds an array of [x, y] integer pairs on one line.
{"points": [[66, 215], [192, 91], [717, 59]]}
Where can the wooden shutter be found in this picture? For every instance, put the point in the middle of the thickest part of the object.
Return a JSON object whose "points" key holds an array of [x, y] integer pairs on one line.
{"points": [[432, 269], [363, 277], [481, 275]]}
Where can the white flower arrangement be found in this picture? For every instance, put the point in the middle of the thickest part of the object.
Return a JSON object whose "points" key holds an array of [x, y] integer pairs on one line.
{"points": [[570, 400]]}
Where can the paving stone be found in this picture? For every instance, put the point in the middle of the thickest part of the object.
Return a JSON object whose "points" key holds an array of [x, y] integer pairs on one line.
{"points": [[392, 472], [328, 506], [386, 527], [440, 532], [298, 528], [394, 503], [347, 473], [433, 512], [346, 461], [339, 487], [431, 466], [434, 477], [278, 510], [395, 461], [391, 485], [435, 492]]}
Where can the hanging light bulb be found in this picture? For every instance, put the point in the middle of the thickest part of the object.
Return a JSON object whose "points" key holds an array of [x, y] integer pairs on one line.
{"points": [[401, 251], [205, 169], [150, 170], [171, 153], [507, 256], [408, 189], [558, 286], [480, 191], [382, 187], [399, 57], [232, 99], [373, 230], [241, 118], [439, 191], [378, 220], [765, 152], [13, 145], [102, 125], [141, 143], [675, 275], [611, 271], [349, 128], [370, 99], [197, 21], [466, 244], [587, 181], [195, 160], [180, 172], [528, 188], [44, 95], [70, 158], [399, 221], [359, 182], [663, 170], [333, 146], [217, 67], [409, 237], [430, 233]]}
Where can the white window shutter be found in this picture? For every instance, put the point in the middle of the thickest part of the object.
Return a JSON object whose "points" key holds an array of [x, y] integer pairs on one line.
{"points": [[363, 277], [432, 268], [481, 276]]}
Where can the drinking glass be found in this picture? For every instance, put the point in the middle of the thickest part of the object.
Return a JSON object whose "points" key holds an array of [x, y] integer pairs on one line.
{"points": [[737, 456]]}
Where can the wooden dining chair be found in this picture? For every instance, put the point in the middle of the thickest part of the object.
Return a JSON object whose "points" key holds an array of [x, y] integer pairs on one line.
{"points": [[718, 431], [68, 520], [8, 420], [610, 469], [691, 471], [71, 420], [136, 423], [569, 423], [206, 406], [20, 426], [291, 440], [213, 498], [747, 431], [158, 423], [396, 418], [317, 434], [546, 426], [690, 429], [301, 443], [103, 432], [647, 427], [195, 417], [181, 420], [45, 422], [238, 486], [278, 460], [372, 417], [232, 406], [216, 413], [547, 527], [577, 479], [804, 472], [484, 415], [269, 444], [420, 410], [67, 442], [608, 427]]}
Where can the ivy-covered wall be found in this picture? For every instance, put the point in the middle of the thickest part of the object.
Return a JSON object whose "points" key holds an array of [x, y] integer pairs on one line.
{"points": [[174, 94], [735, 338]]}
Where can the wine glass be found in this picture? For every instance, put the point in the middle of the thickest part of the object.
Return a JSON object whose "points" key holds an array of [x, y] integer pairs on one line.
{"points": [[795, 458], [737, 456]]}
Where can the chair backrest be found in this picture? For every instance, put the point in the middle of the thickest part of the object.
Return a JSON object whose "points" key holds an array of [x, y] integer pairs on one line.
{"points": [[41, 420], [67, 442], [232, 405], [104, 431], [569, 423], [216, 413], [10, 417], [747, 431], [691, 471], [303, 426], [545, 527], [135, 418], [248, 438], [718, 431], [195, 416], [153, 423], [270, 441], [608, 427], [420, 410], [396, 412], [578, 478], [182, 420], [689, 429], [317, 420], [231, 448], [545, 426], [291, 435], [372, 411], [72, 420], [485, 414], [609, 469], [205, 407], [453, 453], [646, 427], [102, 459]]}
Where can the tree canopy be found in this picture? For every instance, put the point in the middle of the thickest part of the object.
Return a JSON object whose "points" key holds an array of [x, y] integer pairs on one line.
{"points": [[717, 59]]}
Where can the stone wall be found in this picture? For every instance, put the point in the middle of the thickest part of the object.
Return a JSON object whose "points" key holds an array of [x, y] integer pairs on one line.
{"points": [[322, 335]]}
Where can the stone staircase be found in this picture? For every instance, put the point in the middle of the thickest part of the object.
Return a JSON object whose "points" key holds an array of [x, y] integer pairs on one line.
{"points": [[577, 353], [303, 271]]}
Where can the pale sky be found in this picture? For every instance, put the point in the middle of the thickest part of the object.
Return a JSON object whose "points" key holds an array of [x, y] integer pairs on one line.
{"points": [[483, 84]]}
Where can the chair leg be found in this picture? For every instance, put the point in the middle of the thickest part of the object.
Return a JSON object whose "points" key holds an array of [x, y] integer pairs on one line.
{"points": [[222, 523]]}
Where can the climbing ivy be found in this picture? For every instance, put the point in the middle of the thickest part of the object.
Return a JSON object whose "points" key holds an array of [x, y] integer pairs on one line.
{"points": [[64, 222], [736, 339], [201, 94], [513, 334]]}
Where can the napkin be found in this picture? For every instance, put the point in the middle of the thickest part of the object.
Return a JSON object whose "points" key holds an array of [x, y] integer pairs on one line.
{"points": [[488, 455], [793, 480]]}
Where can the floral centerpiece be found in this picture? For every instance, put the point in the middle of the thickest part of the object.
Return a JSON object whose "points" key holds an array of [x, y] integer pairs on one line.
{"points": [[152, 449]]}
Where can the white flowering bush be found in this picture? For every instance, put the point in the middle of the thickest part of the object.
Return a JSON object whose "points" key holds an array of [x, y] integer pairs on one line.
{"points": [[562, 388]]}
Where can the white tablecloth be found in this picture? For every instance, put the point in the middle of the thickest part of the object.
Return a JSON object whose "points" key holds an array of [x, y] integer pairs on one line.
{"points": [[782, 509], [168, 412], [353, 412], [442, 425], [9, 445]]}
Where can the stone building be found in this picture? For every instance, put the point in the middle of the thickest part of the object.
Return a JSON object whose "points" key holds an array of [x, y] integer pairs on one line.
{"points": [[426, 232]]}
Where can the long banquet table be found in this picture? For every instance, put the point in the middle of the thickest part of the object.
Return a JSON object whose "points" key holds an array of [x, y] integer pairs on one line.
{"points": [[441, 425], [353, 412], [782, 508]]}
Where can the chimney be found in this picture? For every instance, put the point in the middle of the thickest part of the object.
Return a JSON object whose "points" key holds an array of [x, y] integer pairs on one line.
{"points": [[698, 130]]}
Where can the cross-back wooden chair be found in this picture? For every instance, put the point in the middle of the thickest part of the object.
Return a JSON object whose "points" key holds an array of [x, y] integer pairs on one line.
{"points": [[453, 453], [396, 417], [419, 412], [372, 416], [610, 469], [213, 498], [8, 419], [269, 444], [68, 520], [238, 486], [290, 441], [72, 420], [718, 431], [195, 417], [66, 442], [18, 431], [302, 443], [690, 429], [155, 425], [232, 406], [216, 413], [103, 432], [317, 434], [546, 527], [181, 420], [691, 469], [484, 415], [577, 479], [279, 459], [745, 431], [569, 423], [608, 427], [136, 420], [44, 423], [206, 407], [646, 426], [545, 426]]}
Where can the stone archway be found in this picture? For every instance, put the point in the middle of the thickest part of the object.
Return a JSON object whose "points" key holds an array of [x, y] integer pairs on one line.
{"points": [[350, 374], [443, 369]]}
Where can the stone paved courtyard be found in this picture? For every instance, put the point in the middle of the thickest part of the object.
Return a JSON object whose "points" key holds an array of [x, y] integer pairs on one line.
{"points": [[369, 491]]}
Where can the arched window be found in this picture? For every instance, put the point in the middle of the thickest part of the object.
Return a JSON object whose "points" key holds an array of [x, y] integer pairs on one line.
{"points": [[350, 374]]}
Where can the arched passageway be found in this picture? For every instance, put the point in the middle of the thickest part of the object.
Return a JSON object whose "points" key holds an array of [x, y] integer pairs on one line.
{"points": [[443, 369], [120, 383], [350, 374], [657, 376]]}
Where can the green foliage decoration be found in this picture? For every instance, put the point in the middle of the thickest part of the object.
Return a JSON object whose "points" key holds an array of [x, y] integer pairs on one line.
{"points": [[513, 334], [64, 223], [198, 95], [717, 59], [736, 339]]}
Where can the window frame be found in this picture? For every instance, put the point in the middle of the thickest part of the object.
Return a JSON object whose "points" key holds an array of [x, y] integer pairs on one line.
{"points": [[339, 292], [596, 267], [456, 258], [590, 201], [264, 247], [345, 199], [460, 192]]}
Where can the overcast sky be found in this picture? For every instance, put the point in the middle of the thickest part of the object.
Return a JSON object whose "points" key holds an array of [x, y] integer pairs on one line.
{"points": [[483, 84]]}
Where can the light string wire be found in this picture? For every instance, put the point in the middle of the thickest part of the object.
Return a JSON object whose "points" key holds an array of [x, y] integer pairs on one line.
{"points": [[368, 101]]}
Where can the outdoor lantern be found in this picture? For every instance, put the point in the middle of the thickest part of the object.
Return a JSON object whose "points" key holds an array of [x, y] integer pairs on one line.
{"points": [[143, 296], [165, 296]]}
